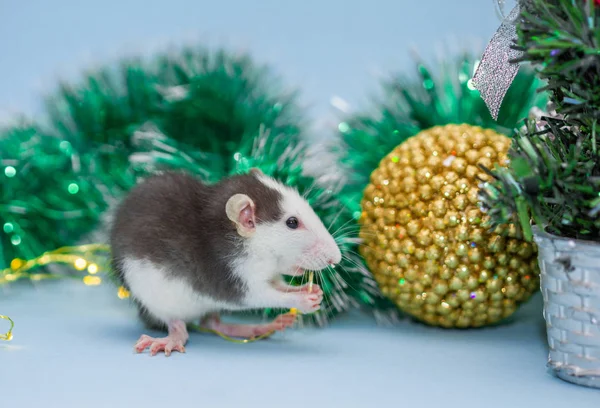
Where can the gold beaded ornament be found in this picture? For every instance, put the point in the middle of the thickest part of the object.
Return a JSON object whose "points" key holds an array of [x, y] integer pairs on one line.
{"points": [[425, 236]]}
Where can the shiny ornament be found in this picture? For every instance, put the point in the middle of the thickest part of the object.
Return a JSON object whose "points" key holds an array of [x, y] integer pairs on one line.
{"points": [[425, 236]]}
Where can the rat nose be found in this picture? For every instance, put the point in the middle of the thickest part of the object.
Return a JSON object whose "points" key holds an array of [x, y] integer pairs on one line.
{"points": [[335, 256], [336, 259]]}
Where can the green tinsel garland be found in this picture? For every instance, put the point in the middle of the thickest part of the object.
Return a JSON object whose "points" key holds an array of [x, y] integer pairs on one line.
{"points": [[207, 100], [211, 114], [410, 105], [46, 198]]}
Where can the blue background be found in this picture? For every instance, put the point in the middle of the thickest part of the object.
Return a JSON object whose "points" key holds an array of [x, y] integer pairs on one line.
{"points": [[326, 48], [73, 344]]}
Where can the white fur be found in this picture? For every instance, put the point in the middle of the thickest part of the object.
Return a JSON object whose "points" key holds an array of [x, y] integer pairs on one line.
{"points": [[313, 247], [274, 250], [167, 299]]}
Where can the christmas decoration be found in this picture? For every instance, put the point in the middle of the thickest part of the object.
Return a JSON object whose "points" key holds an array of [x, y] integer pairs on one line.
{"points": [[495, 72], [209, 113], [371, 141], [554, 175], [206, 100], [46, 199], [553, 180], [59, 180], [410, 105], [425, 236], [7, 336]]}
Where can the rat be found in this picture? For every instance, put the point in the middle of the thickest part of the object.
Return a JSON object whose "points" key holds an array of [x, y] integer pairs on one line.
{"points": [[187, 250]]}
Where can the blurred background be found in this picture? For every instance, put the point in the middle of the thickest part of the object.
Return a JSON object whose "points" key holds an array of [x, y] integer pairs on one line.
{"points": [[331, 50]]}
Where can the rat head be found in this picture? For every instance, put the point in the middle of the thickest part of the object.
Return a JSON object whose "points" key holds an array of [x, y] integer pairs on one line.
{"points": [[276, 221]]}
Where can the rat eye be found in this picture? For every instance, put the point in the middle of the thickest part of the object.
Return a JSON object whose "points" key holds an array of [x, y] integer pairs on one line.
{"points": [[292, 223]]}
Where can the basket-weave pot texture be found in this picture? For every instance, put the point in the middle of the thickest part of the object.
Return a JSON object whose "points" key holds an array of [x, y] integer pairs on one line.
{"points": [[570, 283]]}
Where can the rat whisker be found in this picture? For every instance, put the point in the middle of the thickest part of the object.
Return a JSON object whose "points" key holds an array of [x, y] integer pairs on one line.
{"points": [[357, 260], [363, 244], [309, 190], [337, 300], [327, 310], [349, 241], [304, 278], [347, 225], [360, 267], [335, 219], [355, 229], [325, 205], [342, 226], [344, 283], [349, 232], [351, 251], [368, 282]]}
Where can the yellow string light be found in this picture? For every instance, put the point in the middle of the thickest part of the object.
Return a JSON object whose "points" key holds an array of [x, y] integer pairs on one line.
{"points": [[8, 335], [80, 264], [76, 256], [92, 280], [73, 256], [19, 269], [122, 293]]}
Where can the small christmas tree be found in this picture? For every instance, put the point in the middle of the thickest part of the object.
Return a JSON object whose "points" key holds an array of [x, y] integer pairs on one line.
{"points": [[554, 175]]}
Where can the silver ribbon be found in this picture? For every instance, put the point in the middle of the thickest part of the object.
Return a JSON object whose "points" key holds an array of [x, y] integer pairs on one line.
{"points": [[496, 72]]}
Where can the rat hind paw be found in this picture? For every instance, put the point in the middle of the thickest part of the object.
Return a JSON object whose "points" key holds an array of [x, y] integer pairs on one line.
{"points": [[156, 345], [280, 323]]}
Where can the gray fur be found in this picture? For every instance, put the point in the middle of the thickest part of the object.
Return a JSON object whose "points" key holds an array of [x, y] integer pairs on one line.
{"points": [[177, 221]]}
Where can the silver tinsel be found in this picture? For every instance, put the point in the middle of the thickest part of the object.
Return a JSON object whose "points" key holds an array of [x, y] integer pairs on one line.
{"points": [[496, 72]]}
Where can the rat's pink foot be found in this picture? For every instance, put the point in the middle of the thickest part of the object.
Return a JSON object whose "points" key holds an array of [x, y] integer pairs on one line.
{"points": [[176, 340], [280, 323], [165, 344]]}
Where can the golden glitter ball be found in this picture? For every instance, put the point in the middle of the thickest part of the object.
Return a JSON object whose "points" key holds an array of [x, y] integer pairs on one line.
{"points": [[426, 239]]}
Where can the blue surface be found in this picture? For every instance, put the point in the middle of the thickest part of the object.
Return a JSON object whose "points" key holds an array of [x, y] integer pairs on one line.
{"points": [[73, 348]]}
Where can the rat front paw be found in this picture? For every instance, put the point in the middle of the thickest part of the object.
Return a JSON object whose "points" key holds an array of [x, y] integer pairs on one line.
{"points": [[309, 302], [315, 289]]}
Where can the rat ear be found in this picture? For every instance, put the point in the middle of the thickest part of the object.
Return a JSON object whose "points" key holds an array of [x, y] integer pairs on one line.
{"points": [[240, 210]]}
